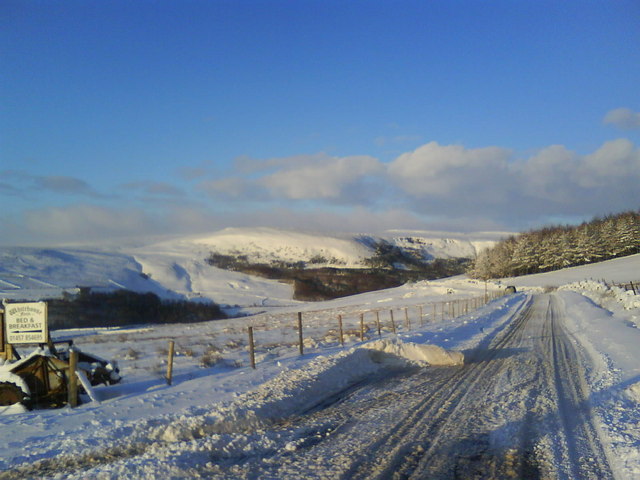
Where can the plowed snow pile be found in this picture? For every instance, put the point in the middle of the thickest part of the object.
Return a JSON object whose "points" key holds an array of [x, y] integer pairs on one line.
{"points": [[294, 392], [416, 353]]}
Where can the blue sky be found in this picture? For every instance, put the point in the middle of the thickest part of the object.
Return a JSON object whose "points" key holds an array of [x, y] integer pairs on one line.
{"points": [[125, 118]]}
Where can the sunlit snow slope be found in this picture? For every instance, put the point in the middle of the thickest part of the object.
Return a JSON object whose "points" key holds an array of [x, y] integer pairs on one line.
{"points": [[177, 268]]}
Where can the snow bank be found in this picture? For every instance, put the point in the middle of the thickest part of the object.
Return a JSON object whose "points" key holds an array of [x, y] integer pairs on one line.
{"points": [[289, 393], [421, 354], [296, 391], [7, 377], [601, 293], [13, 409]]}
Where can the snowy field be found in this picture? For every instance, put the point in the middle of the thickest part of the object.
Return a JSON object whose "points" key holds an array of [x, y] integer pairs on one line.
{"points": [[219, 408]]}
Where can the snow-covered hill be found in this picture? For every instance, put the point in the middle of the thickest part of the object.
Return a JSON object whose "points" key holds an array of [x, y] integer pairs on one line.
{"points": [[268, 245], [617, 270], [176, 269]]}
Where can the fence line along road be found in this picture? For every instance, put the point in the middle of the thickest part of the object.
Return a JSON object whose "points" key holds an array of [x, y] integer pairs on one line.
{"points": [[359, 325], [631, 286]]}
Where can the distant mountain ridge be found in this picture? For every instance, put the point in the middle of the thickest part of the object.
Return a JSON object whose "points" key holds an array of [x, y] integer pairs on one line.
{"points": [[268, 245], [177, 269]]}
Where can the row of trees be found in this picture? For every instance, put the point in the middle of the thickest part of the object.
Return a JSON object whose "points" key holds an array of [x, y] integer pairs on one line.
{"points": [[552, 248]]}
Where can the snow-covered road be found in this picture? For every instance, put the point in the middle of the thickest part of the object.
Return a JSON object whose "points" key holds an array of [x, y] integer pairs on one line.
{"points": [[520, 407]]}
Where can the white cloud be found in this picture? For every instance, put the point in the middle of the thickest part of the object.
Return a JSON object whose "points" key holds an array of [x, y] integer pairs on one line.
{"points": [[80, 224], [623, 118], [616, 162], [547, 175], [86, 223], [434, 170], [432, 185], [449, 182], [326, 178], [555, 181], [298, 178]]}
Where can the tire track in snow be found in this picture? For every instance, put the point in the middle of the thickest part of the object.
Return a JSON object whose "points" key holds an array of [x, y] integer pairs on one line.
{"points": [[518, 409], [584, 454]]}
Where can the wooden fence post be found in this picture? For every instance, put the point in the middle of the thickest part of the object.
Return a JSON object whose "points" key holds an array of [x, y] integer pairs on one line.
{"points": [[421, 316], [433, 312], [252, 352], [340, 330], [378, 323], [633, 288], [362, 327], [170, 362], [72, 387], [3, 346], [407, 322], [393, 323], [300, 339]]}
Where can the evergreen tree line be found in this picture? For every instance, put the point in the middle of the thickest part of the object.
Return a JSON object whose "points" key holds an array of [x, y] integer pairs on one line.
{"points": [[556, 247]]}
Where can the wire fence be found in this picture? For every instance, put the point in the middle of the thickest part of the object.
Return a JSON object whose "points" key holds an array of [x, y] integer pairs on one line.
{"points": [[323, 328], [630, 287]]}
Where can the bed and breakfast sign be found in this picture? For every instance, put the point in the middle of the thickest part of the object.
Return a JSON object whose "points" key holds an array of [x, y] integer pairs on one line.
{"points": [[25, 323]]}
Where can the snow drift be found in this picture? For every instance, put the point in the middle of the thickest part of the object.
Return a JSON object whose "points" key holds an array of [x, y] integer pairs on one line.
{"points": [[416, 353], [297, 391]]}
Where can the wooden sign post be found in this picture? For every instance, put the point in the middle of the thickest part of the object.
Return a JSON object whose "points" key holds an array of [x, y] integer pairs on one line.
{"points": [[72, 387], [3, 346], [252, 351], [170, 362]]}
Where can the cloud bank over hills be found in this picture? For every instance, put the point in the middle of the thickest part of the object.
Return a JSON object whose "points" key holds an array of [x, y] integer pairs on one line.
{"points": [[447, 187]]}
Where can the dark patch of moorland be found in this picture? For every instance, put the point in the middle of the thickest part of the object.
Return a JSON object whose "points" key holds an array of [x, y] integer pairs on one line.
{"points": [[389, 267], [124, 307]]}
